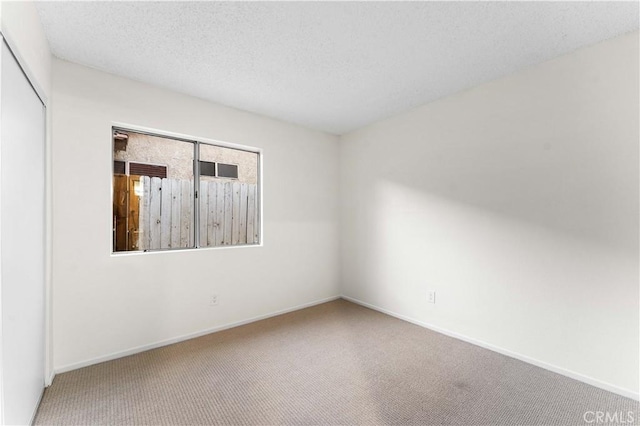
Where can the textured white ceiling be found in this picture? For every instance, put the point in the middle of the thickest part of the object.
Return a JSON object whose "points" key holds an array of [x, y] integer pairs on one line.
{"points": [[333, 66]]}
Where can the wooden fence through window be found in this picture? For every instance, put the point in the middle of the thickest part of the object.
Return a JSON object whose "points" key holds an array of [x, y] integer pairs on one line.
{"points": [[228, 213]]}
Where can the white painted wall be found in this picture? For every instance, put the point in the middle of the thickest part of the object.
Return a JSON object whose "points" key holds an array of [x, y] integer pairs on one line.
{"points": [[106, 304], [517, 202]]}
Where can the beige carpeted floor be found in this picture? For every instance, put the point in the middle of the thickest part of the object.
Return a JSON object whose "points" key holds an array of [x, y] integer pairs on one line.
{"points": [[336, 363]]}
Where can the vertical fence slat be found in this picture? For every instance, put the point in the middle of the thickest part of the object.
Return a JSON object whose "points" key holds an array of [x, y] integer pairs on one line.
{"points": [[165, 214], [144, 213], [228, 208], [175, 212], [203, 200], [211, 213], [235, 233], [134, 214], [256, 215], [185, 213], [219, 222], [242, 237], [154, 213], [251, 206], [192, 215]]}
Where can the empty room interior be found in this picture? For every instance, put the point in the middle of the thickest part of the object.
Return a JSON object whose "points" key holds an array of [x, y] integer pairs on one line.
{"points": [[342, 213]]}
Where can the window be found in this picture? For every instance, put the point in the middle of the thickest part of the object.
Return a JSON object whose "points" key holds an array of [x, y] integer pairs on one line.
{"points": [[171, 193], [207, 168], [120, 167], [228, 171]]}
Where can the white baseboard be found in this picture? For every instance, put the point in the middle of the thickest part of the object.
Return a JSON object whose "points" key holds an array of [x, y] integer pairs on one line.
{"points": [[563, 371], [49, 380], [143, 348]]}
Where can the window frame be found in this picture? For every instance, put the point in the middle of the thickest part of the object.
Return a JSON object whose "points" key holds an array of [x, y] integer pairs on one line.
{"points": [[195, 140]]}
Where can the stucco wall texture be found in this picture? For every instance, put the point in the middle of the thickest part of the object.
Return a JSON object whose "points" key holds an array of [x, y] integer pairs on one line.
{"points": [[178, 155]]}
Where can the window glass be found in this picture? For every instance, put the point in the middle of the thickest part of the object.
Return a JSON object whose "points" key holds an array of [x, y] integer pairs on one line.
{"points": [[119, 167], [207, 168], [229, 208], [228, 170]]}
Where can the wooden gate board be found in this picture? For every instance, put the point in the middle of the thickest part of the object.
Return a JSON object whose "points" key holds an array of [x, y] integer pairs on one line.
{"points": [[126, 213], [120, 211]]}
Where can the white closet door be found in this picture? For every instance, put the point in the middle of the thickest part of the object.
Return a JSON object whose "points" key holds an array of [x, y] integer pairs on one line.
{"points": [[22, 219]]}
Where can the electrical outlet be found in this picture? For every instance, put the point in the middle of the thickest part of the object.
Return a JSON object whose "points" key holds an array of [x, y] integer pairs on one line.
{"points": [[213, 300], [431, 296]]}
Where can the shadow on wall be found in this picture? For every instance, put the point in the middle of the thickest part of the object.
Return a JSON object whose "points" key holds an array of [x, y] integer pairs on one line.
{"points": [[571, 175], [516, 283]]}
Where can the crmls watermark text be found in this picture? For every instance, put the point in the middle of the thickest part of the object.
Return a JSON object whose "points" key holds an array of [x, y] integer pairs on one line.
{"points": [[603, 417]]}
